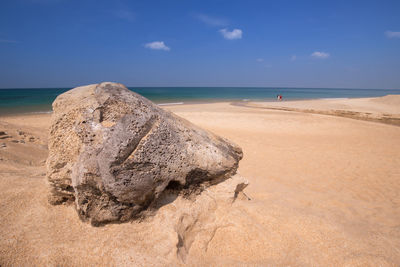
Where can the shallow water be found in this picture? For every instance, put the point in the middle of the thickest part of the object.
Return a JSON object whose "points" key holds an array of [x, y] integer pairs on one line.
{"points": [[33, 100]]}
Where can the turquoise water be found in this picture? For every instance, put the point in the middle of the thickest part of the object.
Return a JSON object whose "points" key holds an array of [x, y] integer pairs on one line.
{"points": [[28, 100]]}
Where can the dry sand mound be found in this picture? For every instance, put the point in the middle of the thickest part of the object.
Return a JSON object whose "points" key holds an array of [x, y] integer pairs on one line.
{"points": [[384, 109], [393, 100]]}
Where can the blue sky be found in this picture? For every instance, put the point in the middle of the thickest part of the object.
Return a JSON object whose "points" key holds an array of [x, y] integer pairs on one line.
{"points": [[65, 43]]}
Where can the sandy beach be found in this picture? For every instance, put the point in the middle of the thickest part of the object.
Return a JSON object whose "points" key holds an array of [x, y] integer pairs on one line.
{"points": [[324, 189]]}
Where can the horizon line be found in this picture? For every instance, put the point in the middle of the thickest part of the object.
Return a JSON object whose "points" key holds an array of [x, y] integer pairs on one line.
{"points": [[272, 87]]}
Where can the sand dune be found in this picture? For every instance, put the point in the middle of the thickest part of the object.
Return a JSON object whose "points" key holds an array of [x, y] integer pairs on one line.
{"points": [[324, 192], [389, 104], [384, 109]]}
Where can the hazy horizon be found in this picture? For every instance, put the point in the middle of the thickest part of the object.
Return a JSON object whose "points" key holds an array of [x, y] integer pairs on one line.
{"points": [[171, 86]]}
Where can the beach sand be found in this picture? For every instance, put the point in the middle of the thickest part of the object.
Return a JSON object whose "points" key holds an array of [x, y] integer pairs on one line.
{"points": [[384, 109], [324, 189]]}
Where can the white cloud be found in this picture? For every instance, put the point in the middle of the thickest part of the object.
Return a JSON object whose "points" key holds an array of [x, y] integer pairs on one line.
{"points": [[235, 34], [321, 55], [212, 21], [390, 34], [157, 45], [293, 58], [259, 59]]}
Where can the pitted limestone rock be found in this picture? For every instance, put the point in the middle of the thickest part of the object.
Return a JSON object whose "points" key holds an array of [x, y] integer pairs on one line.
{"points": [[114, 152]]}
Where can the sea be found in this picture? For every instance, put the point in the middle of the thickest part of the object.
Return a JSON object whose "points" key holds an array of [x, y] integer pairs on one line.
{"points": [[38, 100]]}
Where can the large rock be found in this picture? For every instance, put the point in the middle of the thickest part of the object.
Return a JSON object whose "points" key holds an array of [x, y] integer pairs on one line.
{"points": [[114, 152]]}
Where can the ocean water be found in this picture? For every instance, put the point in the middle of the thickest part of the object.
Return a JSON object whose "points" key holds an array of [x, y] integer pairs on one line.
{"points": [[37, 100]]}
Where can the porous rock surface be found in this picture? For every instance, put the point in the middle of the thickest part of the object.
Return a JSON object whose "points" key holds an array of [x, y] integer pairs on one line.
{"points": [[114, 153]]}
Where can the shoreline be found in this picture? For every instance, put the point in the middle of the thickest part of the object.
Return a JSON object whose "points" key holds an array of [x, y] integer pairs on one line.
{"points": [[285, 105], [195, 102]]}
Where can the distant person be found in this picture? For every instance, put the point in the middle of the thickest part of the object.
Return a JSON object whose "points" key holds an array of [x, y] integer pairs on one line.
{"points": [[280, 97]]}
